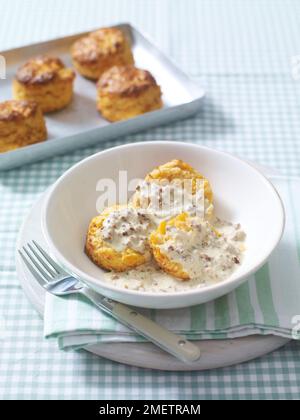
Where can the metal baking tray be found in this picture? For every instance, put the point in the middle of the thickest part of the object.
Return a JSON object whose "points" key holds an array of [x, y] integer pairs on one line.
{"points": [[80, 124]]}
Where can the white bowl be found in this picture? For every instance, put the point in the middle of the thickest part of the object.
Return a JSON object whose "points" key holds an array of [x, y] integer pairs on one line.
{"points": [[242, 194]]}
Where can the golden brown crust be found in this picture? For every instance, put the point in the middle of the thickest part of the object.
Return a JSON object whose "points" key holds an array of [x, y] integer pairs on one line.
{"points": [[86, 50], [126, 81], [175, 169], [100, 50], [98, 44], [21, 124], [125, 91], [14, 110], [46, 81], [42, 70]]}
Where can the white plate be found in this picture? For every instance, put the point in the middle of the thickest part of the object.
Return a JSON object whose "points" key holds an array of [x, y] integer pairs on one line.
{"points": [[215, 353], [241, 194]]}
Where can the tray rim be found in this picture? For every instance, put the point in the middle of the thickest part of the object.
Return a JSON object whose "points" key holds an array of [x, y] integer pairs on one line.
{"points": [[53, 147]]}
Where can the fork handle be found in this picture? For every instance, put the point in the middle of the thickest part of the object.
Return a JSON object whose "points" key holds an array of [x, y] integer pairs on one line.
{"points": [[172, 343], [175, 344]]}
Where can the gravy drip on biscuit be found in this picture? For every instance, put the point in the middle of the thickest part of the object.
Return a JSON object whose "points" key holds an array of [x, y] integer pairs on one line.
{"points": [[204, 253], [166, 199], [127, 228]]}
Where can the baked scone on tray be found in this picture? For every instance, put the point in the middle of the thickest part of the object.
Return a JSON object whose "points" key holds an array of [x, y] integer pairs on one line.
{"points": [[125, 92], [94, 54], [45, 80], [117, 239], [21, 123]]}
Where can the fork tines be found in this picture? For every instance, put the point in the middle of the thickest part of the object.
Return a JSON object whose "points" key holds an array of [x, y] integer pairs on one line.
{"points": [[39, 263]]}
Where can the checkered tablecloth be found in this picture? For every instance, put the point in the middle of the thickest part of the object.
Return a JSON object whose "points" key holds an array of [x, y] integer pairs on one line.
{"points": [[240, 51]]}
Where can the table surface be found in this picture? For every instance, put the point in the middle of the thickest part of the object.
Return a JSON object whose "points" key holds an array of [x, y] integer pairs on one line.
{"points": [[240, 51]]}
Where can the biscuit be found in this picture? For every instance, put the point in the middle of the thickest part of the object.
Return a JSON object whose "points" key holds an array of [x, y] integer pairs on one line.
{"points": [[125, 92], [45, 80], [94, 54], [21, 123], [168, 234], [158, 238], [102, 233], [182, 174]]}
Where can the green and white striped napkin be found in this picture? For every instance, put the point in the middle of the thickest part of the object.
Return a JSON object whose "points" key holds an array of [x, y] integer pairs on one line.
{"points": [[268, 303]]}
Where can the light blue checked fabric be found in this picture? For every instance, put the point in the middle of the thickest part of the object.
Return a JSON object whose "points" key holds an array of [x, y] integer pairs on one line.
{"points": [[240, 52]]}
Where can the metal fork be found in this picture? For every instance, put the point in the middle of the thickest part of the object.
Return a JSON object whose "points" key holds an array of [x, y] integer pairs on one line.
{"points": [[57, 281]]}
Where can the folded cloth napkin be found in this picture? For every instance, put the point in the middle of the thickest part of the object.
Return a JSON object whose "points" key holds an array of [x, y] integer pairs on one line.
{"points": [[268, 303]]}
